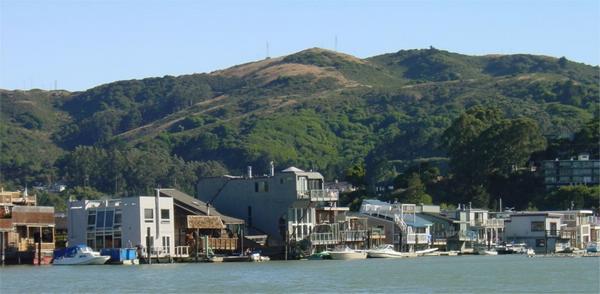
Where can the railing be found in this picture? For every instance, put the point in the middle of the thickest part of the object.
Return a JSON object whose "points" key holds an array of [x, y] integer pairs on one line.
{"points": [[354, 235], [417, 238], [594, 220], [491, 222], [323, 239], [221, 244], [29, 245], [182, 251], [159, 251], [18, 198], [319, 195]]}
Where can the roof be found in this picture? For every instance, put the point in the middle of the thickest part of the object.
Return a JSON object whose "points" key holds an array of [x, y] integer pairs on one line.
{"points": [[419, 222], [196, 206]]}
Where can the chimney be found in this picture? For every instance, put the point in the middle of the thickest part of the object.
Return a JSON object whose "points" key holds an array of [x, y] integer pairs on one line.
{"points": [[272, 172], [249, 172]]}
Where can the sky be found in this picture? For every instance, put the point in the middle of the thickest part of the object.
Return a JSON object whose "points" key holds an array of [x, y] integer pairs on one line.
{"points": [[76, 45]]}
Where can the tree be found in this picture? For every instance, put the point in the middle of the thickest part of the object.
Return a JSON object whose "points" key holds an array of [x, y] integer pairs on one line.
{"points": [[415, 191], [482, 144], [574, 197], [355, 175]]}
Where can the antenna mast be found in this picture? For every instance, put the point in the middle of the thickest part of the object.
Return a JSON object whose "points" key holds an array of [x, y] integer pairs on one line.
{"points": [[335, 44], [267, 57]]}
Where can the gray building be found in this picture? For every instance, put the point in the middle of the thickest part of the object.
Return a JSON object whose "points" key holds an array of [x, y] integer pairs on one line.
{"points": [[580, 171], [292, 205]]}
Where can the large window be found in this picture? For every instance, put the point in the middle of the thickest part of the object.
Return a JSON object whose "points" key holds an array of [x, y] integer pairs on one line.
{"points": [[149, 215], [100, 220], [537, 226]]}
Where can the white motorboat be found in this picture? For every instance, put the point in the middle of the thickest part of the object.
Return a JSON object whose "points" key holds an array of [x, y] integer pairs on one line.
{"points": [[385, 251], [426, 251], [347, 254], [78, 255], [530, 252], [487, 252]]}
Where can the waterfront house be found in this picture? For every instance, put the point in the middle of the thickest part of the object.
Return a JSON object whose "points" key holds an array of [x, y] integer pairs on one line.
{"points": [[576, 225], [200, 228], [402, 226], [292, 208], [145, 222], [541, 231], [26, 230]]}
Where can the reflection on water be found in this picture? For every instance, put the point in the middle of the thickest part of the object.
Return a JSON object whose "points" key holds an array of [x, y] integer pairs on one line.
{"points": [[480, 274]]}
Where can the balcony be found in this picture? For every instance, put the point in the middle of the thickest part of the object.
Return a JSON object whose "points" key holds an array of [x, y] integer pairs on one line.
{"points": [[319, 195], [491, 222], [323, 239], [414, 238], [353, 236]]}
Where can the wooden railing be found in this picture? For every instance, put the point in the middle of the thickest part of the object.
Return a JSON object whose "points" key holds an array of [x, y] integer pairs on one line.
{"points": [[222, 244], [17, 198]]}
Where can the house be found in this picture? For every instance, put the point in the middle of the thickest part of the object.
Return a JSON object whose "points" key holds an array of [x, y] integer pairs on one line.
{"points": [[402, 226], [541, 231], [26, 230], [576, 224], [580, 171], [198, 224], [292, 208], [146, 222]]}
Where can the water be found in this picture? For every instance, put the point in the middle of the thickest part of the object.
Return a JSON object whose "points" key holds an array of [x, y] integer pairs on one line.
{"points": [[452, 274]]}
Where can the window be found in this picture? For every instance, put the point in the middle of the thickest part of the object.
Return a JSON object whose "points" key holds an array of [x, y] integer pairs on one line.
{"points": [[149, 215], [537, 226], [47, 235], [164, 214], [540, 243], [118, 217], [262, 186], [109, 219], [91, 219], [100, 220]]}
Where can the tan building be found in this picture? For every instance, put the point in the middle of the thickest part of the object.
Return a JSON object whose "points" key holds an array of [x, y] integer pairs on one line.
{"points": [[26, 230]]}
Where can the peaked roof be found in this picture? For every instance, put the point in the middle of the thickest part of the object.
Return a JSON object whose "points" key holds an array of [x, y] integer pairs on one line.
{"points": [[196, 206]]}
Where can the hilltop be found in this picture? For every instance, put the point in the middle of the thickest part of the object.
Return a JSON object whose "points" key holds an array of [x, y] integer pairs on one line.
{"points": [[316, 109]]}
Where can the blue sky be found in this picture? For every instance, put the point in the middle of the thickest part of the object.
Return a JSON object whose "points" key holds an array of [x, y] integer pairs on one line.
{"points": [[82, 44]]}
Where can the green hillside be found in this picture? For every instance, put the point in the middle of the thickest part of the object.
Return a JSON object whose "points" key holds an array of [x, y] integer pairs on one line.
{"points": [[315, 109]]}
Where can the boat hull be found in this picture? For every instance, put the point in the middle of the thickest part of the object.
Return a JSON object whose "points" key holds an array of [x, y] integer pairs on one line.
{"points": [[94, 260], [347, 255]]}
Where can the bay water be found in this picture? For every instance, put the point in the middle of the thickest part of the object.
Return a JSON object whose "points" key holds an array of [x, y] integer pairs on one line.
{"points": [[436, 274]]}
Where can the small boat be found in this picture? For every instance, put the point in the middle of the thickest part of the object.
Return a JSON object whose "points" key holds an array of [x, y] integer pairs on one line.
{"points": [[487, 252], [256, 257], [347, 254], [78, 255], [425, 251], [385, 251], [530, 252]]}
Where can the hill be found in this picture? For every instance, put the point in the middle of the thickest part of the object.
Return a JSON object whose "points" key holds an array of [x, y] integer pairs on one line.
{"points": [[316, 109]]}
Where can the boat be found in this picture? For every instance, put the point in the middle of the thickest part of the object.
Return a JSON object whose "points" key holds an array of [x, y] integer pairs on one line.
{"points": [[592, 247], [512, 248], [78, 255], [530, 252], [484, 251], [426, 251], [385, 251], [347, 254]]}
